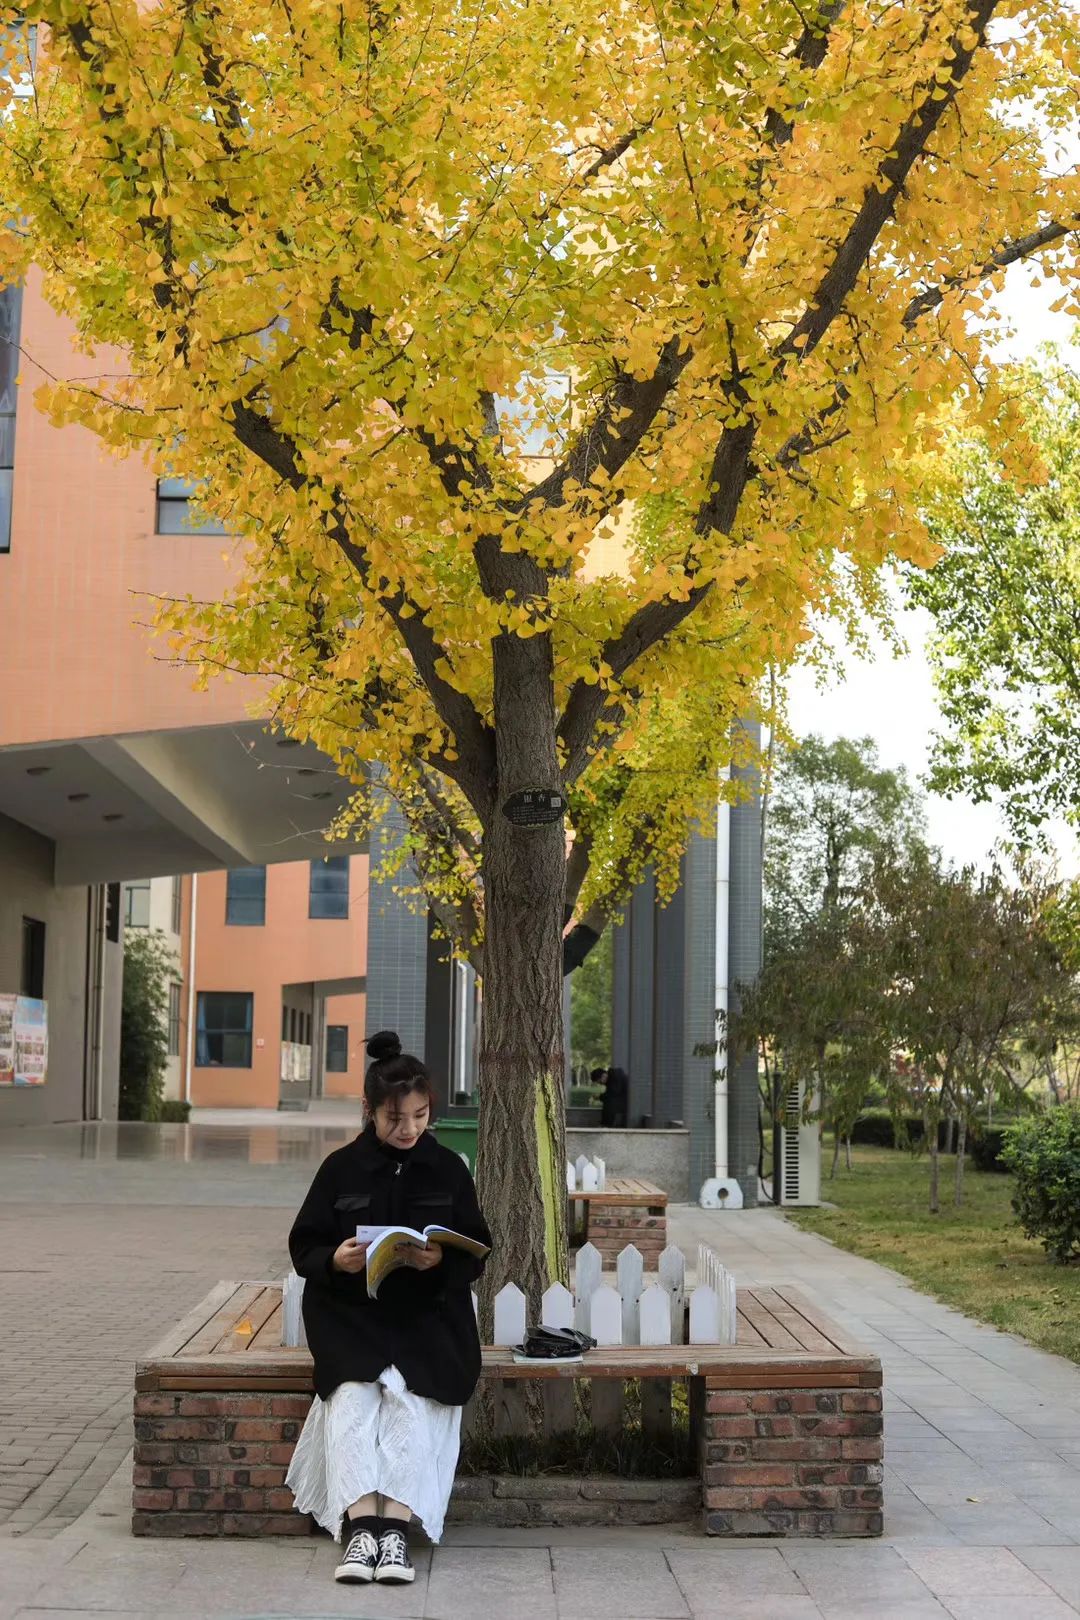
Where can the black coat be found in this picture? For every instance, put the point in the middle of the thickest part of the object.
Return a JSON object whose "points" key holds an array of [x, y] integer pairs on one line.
{"points": [[422, 1322]]}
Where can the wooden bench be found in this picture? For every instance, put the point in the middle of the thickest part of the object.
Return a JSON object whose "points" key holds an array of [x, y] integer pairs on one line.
{"points": [[626, 1210], [786, 1424]]}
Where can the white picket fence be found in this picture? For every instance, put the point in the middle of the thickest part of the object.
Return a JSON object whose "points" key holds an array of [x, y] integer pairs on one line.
{"points": [[585, 1174], [638, 1309]]}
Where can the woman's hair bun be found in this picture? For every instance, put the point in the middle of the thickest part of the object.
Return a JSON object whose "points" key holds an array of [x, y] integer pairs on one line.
{"points": [[385, 1044]]}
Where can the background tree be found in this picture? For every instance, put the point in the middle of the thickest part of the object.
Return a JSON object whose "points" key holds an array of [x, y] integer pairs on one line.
{"points": [[149, 969], [590, 1007], [1006, 604], [834, 808], [973, 976], [355, 268]]}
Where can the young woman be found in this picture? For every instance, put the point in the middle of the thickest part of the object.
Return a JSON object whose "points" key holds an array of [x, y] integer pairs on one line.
{"points": [[380, 1443]]}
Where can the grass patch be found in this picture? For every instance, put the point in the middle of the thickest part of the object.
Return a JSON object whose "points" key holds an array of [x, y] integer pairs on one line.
{"points": [[975, 1258]]}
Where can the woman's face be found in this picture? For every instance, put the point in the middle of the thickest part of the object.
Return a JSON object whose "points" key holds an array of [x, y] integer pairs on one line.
{"points": [[402, 1122]]}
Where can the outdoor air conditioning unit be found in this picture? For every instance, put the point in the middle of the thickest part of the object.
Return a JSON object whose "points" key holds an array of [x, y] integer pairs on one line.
{"points": [[797, 1157]]}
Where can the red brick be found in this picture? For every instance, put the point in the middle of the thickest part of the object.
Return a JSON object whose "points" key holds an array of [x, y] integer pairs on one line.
{"points": [[179, 1428], [176, 1524], [732, 1428], [760, 1474], [263, 1478], [863, 1400], [152, 1501], [796, 1400], [725, 1496], [727, 1451], [154, 1405], [723, 1402], [265, 1524], [290, 1406], [233, 1452], [798, 1450], [279, 1500], [774, 1428], [847, 1427], [794, 1500], [861, 1450], [154, 1451], [280, 1454], [265, 1429]]}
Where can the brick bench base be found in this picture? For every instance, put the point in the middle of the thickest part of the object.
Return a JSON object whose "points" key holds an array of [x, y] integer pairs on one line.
{"points": [[804, 1462]]}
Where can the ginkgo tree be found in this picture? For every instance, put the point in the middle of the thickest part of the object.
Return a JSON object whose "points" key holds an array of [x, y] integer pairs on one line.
{"points": [[441, 300]]}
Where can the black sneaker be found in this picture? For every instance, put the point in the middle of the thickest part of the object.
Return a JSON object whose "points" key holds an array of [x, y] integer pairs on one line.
{"points": [[394, 1562], [359, 1558]]}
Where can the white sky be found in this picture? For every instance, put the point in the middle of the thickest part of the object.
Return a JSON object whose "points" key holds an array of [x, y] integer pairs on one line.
{"points": [[893, 699]]}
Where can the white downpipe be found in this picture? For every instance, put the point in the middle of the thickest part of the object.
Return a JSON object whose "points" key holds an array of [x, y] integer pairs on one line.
{"points": [[462, 1025], [189, 1055], [723, 890]]}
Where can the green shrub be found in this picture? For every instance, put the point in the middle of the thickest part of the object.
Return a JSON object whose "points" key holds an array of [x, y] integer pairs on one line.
{"points": [[1044, 1156], [584, 1096], [173, 1112], [149, 969]]}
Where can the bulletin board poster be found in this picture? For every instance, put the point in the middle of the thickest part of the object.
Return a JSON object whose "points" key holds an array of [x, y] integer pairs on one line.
{"points": [[7, 1040], [31, 1041]]}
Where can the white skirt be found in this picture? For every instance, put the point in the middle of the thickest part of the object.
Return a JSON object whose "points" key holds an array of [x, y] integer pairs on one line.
{"points": [[376, 1437]]}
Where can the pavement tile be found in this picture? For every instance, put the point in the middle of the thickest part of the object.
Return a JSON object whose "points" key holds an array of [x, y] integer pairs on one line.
{"points": [[861, 1574], [1009, 1608], [510, 1583], [927, 1608], [709, 1578], [1059, 1567], [591, 1585], [962, 1571]]}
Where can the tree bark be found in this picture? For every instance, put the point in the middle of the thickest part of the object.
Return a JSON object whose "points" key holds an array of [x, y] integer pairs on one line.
{"points": [[521, 1133], [835, 1153], [847, 1152], [961, 1154], [932, 1128]]}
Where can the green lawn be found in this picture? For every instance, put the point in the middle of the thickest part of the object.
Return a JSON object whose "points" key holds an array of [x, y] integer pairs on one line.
{"points": [[975, 1258]]}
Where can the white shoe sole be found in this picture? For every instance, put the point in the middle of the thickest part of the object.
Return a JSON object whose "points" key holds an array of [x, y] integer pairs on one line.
{"points": [[353, 1576], [395, 1577]]}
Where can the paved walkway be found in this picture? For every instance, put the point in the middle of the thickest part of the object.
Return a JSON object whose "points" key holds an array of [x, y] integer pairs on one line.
{"points": [[107, 1236]]}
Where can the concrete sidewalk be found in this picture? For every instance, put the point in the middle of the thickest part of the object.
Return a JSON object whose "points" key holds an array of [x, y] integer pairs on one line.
{"points": [[982, 1436]]}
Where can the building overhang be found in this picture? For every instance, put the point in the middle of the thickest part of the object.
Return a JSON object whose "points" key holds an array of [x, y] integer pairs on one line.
{"points": [[149, 805]]}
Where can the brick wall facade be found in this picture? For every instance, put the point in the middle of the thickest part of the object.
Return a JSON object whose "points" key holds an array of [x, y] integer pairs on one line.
{"points": [[805, 1462]]}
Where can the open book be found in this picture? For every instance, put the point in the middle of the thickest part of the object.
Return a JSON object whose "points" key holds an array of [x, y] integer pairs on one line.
{"points": [[389, 1248]]}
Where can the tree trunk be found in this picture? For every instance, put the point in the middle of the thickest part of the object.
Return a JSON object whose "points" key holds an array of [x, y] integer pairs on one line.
{"points": [[935, 1165], [835, 1153], [961, 1154], [847, 1152], [521, 1148]]}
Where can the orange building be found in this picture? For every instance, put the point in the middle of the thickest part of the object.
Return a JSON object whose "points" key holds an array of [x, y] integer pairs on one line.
{"points": [[117, 777]]}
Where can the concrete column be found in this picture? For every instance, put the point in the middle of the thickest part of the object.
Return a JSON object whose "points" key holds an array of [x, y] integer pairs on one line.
{"points": [[698, 1000], [744, 964], [397, 949]]}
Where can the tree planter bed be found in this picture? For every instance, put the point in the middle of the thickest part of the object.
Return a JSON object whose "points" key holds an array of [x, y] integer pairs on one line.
{"points": [[786, 1424]]}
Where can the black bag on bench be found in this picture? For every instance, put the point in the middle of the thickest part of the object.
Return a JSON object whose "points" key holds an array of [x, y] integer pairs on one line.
{"points": [[554, 1344]]}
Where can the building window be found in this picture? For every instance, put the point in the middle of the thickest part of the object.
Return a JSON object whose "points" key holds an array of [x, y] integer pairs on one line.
{"points": [[223, 1029], [10, 321], [112, 912], [337, 1048], [328, 895], [175, 992], [137, 905], [178, 510], [292, 1025], [177, 904], [32, 982], [284, 1023], [245, 897]]}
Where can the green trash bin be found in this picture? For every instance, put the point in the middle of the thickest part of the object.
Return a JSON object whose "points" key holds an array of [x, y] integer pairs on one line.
{"points": [[460, 1136]]}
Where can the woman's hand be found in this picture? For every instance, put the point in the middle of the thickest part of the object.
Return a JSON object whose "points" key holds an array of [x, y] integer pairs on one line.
{"points": [[425, 1259], [350, 1257]]}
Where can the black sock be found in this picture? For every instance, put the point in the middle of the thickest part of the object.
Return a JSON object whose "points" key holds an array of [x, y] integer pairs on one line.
{"points": [[364, 1521]]}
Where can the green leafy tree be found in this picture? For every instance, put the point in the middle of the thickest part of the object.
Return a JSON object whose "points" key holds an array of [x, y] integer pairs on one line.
{"points": [[1006, 604], [835, 807], [149, 968], [590, 1006], [972, 974]]}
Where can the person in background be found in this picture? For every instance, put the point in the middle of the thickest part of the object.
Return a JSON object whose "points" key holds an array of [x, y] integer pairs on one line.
{"points": [[392, 1374], [613, 1109]]}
